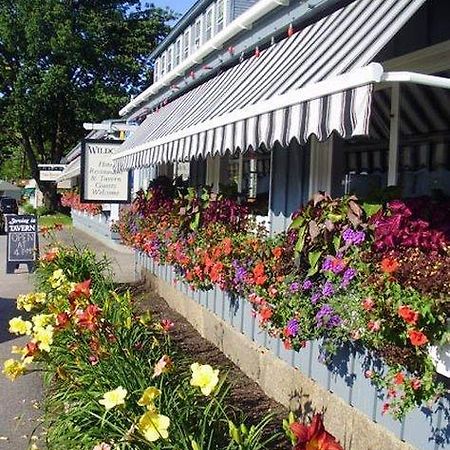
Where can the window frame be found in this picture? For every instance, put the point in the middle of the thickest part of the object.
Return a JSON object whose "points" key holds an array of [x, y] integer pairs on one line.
{"points": [[211, 10], [163, 65], [178, 50], [198, 28], [186, 51], [218, 28], [169, 59], [156, 68]]}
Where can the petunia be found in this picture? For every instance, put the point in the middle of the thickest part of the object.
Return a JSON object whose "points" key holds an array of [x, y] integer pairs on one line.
{"points": [[153, 426], [114, 398], [204, 377]]}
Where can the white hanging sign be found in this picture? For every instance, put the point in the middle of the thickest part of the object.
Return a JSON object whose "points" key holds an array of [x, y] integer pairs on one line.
{"points": [[99, 183]]}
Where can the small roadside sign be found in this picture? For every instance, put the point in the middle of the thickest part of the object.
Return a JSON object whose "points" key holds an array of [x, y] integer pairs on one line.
{"points": [[22, 241]]}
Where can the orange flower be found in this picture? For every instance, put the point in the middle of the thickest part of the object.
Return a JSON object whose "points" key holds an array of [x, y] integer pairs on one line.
{"points": [[277, 252], [399, 378], [417, 338], [314, 436], [81, 290], [389, 265], [88, 318], [50, 256], [216, 272], [408, 315], [227, 246], [259, 276]]}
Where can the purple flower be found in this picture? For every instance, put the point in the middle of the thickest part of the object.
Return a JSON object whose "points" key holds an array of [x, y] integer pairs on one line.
{"points": [[328, 289], [326, 317], [333, 264], [292, 328], [353, 237], [295, 286], [307, 285], [316, 297], [349, 274]]}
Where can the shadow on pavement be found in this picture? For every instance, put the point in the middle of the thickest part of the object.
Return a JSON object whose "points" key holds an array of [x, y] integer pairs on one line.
{"points": [[7, 311]]}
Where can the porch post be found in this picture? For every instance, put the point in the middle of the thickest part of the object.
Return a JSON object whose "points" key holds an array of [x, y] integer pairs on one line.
{"points": [[393, 136]]}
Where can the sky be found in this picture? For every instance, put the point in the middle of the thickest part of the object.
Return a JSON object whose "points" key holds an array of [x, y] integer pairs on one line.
{"points": [[180, 6]]}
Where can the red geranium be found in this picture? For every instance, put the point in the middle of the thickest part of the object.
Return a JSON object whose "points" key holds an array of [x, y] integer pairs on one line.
{"points": [[417, 338], [408, 315], [314, 436]]}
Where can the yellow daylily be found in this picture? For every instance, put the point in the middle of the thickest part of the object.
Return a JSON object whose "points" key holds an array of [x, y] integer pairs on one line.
{"points": [[204, 377], [44, 337], [19, 326], [42, 320], [13, 369], [114, 398], [57, 279], [148, 397], [153, 426]]}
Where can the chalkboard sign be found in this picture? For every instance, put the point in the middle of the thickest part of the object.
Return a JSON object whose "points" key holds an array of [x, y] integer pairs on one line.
{"points": [[22, 241]]}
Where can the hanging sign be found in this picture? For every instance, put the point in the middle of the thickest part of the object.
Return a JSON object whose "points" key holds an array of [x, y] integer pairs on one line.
{"points": [[50, 172], [99, 183], [22, 242]]}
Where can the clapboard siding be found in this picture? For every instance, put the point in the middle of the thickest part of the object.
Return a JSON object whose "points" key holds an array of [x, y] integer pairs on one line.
{"points": [[425, 428]]}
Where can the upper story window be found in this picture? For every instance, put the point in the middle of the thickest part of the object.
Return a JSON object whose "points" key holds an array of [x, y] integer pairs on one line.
{"points": [[220, 15], [186, 43], [163, 65], [197, 33], [156, 70], [169, 59], [209, 22], [177, 54]]}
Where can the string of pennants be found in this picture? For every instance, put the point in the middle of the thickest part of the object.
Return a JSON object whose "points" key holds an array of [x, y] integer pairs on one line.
{"points": [[193, 75]]}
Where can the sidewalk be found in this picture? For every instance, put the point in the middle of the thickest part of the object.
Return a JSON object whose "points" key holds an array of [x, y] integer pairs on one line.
{"points": [[19, 416]]}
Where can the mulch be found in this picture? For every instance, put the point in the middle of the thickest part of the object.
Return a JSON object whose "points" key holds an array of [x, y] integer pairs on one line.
{"points": [[245, 394]]}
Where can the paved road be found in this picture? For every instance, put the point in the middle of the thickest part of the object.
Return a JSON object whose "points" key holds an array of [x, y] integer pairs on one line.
{"points": [[19, 416], [18, 400]]}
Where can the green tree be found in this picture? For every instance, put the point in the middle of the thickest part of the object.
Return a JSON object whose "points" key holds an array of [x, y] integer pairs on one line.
{"points": [[65, 62]]}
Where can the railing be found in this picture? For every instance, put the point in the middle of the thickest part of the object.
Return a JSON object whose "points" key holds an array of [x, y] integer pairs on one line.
{"points": [[98, 224], [426, 428]]}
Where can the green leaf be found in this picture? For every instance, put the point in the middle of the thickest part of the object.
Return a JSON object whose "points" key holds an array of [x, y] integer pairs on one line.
{"points": [[296, 223], [195, 223], [301, 239], [336, 243], [371, 208], [313, 259]]}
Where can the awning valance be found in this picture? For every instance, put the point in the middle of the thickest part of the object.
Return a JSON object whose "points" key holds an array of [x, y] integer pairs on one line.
{"points": [[275, 97], [72, 170]]}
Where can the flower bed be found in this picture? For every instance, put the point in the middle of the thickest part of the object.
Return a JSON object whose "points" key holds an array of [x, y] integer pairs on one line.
{"points": [[114, 378], [71, 199], [344, 272]]}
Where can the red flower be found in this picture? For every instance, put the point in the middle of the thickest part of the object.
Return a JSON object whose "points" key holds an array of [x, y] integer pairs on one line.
{"points": [[81, 290], [259, 277], [32, 349], [265, 313], [277, 252], [287, 344], [227, 246], [389, 265], [89, 317], [417, 338], [408, 315], [399, 378], [62, 320], [385, 408], [314, 436], [416, 384], [166, 325], [368, 304], [50, 256], [216, 272]]}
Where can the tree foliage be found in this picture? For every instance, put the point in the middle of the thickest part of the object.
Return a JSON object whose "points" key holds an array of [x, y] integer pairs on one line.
{"points": [[65, 62]]}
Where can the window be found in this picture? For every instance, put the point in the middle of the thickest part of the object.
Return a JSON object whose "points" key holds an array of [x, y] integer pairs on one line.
{"points": [[186, 43], [197, 33], [177, 52], [156, 70], [209, 24], [169, 59], [163, 65], [220, 15]]}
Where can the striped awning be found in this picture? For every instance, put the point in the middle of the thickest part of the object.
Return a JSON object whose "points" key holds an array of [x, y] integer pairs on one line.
{"points": [[226, 113], [72, 170]]}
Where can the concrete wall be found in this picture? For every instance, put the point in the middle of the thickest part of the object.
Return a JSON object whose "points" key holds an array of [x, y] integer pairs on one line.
{"points": [[352, 406]]}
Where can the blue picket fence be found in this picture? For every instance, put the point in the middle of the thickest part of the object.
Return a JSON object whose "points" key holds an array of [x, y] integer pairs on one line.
{"points": [[426, 428]]}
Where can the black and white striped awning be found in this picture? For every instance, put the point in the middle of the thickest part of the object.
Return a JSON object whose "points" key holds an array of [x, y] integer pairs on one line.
{"points": [[224, 114]]}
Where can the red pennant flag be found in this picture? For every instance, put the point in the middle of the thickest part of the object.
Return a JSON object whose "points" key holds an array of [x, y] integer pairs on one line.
{"points": [[290, 30]]}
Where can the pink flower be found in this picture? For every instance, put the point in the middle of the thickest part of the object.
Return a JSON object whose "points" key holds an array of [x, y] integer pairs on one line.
{"points": [[374, 325], [416, 384], [162, 366], [368, 373], [385, 408], [368, 304], [166, 325]]}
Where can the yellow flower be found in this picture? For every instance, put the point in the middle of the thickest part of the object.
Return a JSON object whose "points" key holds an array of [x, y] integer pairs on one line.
{"points": [[42, 320], [44, 337], [25, 302], [148, 397], [13, 369], [204, 377], [40, 297], [114, 398], [15, 350], [19, 326], [154, 426], [57, 279]]}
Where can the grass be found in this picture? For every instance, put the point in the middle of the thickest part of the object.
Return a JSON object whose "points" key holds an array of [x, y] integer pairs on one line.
{"points": [[50, 220]]}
